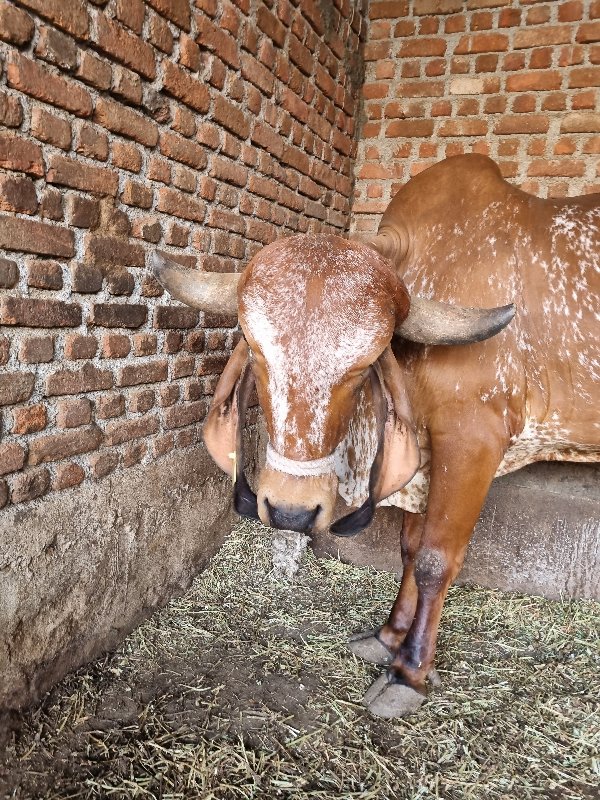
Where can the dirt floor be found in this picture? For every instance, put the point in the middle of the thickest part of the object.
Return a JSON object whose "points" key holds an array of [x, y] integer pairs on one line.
{"points": [[243, 688]]}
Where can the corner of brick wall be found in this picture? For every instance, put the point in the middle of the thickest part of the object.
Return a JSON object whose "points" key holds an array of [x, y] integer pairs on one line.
{"points": [[204, 129], [517, 80]]}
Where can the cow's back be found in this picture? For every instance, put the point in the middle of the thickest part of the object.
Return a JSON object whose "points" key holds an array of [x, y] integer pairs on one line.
{"points": [[476, 240]]}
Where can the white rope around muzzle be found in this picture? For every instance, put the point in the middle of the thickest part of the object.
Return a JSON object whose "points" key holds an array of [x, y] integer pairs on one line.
{"points": [[300, 469]]}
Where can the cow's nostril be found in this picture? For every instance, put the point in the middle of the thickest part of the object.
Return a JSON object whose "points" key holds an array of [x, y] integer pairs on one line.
{"points": [[292, 519]]}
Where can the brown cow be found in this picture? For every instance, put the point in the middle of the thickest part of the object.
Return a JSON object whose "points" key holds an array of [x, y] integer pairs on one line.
{"points": [[354, 353]]}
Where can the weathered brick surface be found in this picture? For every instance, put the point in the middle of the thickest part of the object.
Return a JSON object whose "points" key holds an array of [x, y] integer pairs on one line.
{"points": [[15, 387], [204, 129], [502, 78], [58, 446]]}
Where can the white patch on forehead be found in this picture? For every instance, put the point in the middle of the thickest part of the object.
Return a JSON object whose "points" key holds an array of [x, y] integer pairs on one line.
{"points": [[310, 346]]}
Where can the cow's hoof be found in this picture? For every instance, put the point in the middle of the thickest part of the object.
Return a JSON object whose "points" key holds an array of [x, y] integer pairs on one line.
{"points": [[388, 699], [367, 646]]}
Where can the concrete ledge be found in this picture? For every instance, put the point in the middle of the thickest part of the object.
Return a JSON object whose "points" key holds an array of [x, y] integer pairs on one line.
{"points": [[539, 533], [80, 569]]}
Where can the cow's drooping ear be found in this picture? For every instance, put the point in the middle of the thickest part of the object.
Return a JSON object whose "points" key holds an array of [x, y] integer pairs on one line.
{"points": [[401, 455], [220, 428]]}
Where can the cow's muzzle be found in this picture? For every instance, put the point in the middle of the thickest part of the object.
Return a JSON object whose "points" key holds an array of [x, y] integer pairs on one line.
{"points": [[292, 519]]}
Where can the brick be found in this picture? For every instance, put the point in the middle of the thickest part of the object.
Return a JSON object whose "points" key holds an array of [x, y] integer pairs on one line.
{"points": [[187, 414], [11, 112], [127, 85], [580, 122], [102, 464], [51, 204], [77, 175], [568, 168], [86, 278], [178, 11], [70, 15], [466, 86], [74, 413], [12, 458], [84, 212], [4, 350], [16, 26], [426, 88], [20, 155], [31, 313], [482, 43], [78, 346], [30, 485], [141, 401], [225, 170], [118, 315], [422, 46], [528, 123], [180, 84], [9, 273], [37, 350], [17, 194], [410, 128], [425, 7], [94, 71], [136, 374], [67, 476], [259, 75], [217, 41], [110, 405], [91, 142], [87, 378], [144, 344], [127, 48], [56, 48], [137, 194], [107, 251], [175, 317], [57, 446], [534, 81], [49, 128], [4, 493], [542, 36], [120, 119], [30, 419], [15, 387], [588, 32], [121, 431], [230, 117], [177, 235], [173, 202], [120, 282], [43, 274], [183, 367], [584, 76], [131, 13], [33, 79], [194, 342], [160, 35], [134, 453], [115, 345], [168, 395], [176, 147], [126, 155]]}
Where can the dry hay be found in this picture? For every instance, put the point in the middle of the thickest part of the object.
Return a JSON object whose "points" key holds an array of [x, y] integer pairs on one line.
{"points": [[243, 688]]}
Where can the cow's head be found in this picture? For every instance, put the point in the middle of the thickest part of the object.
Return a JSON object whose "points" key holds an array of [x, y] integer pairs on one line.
{"points": [[318, 313]]}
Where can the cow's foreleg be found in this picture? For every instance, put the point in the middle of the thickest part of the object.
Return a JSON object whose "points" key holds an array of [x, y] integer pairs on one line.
{"points": [[380, 646], [461, 475]]}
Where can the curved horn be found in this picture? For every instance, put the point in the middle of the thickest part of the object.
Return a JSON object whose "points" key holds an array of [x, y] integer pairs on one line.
{"points": [[209, 291], [432, 322]]}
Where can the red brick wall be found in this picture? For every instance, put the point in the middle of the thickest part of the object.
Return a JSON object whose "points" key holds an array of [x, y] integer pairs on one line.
{"points": [[515, 79], [205, 129]]}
